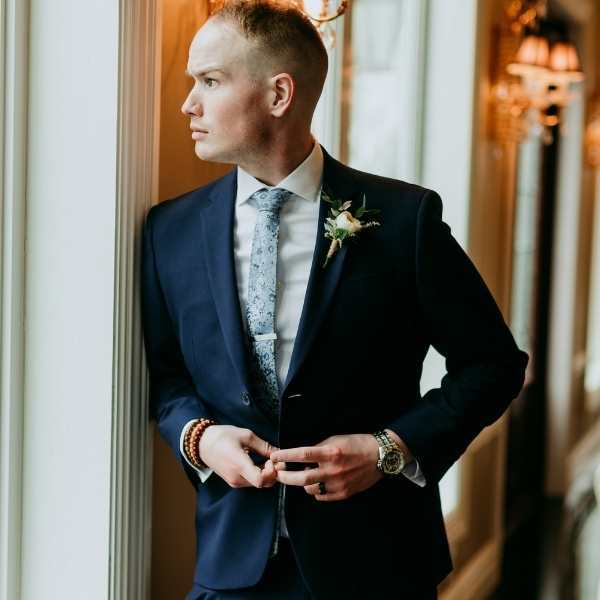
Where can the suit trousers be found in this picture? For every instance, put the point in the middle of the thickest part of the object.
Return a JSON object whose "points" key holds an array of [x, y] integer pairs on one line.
{"points": [[282, 580]]}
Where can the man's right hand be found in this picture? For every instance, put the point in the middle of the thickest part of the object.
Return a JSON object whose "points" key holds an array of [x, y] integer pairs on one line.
{"points": [[224, 448]]}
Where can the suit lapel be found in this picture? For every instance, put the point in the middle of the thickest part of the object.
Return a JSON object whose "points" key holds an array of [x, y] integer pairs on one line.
{"points": [[321, 282], [218, 250], [217, 226]]}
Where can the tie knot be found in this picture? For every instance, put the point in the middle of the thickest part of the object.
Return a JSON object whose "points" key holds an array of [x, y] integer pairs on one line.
{"points": [[271, 200]]}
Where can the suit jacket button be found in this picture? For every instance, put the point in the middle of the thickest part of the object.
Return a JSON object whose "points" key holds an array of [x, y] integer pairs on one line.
{"points": [[246, 398]]}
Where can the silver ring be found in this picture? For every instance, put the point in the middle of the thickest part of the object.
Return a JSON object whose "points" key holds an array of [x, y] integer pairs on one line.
{"points": [[322, 488]]}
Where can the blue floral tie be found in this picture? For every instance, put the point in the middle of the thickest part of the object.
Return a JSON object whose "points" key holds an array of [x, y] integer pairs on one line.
{"points": [[262, 294], [260, 312]]}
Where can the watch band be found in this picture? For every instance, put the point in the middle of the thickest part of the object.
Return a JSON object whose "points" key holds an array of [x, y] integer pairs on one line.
{"points": [[387, 445], [384, 439]]}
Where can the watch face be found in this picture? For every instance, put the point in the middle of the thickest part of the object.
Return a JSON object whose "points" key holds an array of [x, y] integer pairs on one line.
{"points": [[393, 462]]}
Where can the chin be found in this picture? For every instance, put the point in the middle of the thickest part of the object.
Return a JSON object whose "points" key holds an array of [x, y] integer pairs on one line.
{"points": [[204, 153]]}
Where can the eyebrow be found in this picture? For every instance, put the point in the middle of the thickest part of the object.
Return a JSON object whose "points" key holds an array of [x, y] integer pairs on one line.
{"points": [[205, 72]]}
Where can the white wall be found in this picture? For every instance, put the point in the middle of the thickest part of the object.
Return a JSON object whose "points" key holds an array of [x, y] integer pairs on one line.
{"points": [[69, 298], [449, 105], [447, 148]]}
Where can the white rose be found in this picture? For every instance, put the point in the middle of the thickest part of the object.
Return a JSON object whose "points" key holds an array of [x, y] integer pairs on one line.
{"points": [[346, 221]]}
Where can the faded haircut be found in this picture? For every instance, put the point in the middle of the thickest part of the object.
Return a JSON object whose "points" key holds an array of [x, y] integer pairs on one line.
{"points": [[283, 37]]}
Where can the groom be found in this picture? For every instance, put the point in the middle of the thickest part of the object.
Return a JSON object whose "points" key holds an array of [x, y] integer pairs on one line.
{"points": [[289, 390]]}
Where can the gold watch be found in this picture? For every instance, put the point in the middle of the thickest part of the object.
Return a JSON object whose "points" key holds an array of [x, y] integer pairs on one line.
{"points": [[391, 457]]}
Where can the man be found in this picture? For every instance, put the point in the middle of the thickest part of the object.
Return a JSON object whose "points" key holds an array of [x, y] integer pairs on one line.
{"points": [[319, 468]]}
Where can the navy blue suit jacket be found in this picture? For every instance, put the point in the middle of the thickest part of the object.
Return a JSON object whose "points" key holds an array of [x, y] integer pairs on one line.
{"points": [[367, 322]]}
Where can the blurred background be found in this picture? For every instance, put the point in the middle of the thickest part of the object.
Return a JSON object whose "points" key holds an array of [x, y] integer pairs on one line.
{"points": [[495, 104]]}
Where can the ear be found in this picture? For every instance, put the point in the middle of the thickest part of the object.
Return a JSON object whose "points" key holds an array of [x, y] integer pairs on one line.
{"points": [[283, 89]]}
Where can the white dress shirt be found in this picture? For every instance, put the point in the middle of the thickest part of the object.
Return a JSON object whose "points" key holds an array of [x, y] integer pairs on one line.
{"points": [[297, 238]]}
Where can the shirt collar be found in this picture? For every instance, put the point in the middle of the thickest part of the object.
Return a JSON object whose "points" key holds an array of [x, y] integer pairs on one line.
{"points": [[303, 181]]}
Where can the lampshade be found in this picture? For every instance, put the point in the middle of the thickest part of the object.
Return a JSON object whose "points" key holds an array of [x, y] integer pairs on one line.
{"points": [[532, 57], [564, 59], [534, 50]]}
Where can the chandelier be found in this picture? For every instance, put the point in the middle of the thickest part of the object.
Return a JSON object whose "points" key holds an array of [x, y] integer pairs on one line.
{"points": [[535, 83], [320, 12]]}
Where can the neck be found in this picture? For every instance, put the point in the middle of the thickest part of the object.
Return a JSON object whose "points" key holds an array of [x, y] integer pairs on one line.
{"points": [[272, 165]]}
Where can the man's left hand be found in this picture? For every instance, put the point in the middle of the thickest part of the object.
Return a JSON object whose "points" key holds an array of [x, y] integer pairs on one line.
{"points": [[346, 464]]}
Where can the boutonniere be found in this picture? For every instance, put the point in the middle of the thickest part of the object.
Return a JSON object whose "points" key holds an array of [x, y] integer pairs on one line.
{"points": [[342, 223]]}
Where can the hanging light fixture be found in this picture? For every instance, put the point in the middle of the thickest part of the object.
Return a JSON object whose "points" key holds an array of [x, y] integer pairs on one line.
{"points": [[321, 13]]}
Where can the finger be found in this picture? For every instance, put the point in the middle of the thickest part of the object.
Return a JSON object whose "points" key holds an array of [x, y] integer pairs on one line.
{"points": [[306, 454], [268, 474], [249, 471], [305, 477], [313, 489], [330, 497], [252, 441]]}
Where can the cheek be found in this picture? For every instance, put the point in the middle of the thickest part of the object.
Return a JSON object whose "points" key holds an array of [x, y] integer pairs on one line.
{"points": [[241, 114]]}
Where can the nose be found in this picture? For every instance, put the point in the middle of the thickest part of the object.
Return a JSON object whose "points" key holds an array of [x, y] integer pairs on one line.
{"points": [[190, 106]]}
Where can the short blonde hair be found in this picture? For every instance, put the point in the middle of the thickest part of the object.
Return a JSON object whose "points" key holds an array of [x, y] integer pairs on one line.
{"points": [[283, 36]]}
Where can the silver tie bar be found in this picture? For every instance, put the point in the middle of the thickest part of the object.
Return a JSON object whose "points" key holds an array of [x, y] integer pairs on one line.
{"points": [[261, 337]]}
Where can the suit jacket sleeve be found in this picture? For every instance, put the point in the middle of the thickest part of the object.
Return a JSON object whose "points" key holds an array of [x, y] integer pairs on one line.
{"points": [[485, 368], [173, 398]]}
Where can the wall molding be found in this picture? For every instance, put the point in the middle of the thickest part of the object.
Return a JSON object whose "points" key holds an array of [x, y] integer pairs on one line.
{"points": [[14, 21], [137, 190]]}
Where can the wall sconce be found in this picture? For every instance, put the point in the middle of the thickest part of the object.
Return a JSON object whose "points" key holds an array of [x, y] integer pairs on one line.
{"points": [[319, 12], [535, 84], [546, 73]]}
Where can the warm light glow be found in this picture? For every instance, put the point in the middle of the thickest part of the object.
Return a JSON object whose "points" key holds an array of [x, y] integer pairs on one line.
{"points": [[534, 51], [545, 76], [564, 57], [565, 62]]}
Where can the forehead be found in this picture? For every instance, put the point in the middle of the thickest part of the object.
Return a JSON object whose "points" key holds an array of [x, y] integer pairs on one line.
{"points": [[216, 42]]}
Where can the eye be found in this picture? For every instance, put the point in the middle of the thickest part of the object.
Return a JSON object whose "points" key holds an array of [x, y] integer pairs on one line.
{"points": [[207, 79]]}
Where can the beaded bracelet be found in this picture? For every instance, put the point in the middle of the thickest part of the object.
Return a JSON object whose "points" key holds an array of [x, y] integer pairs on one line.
{"points": [[191, 440]]}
